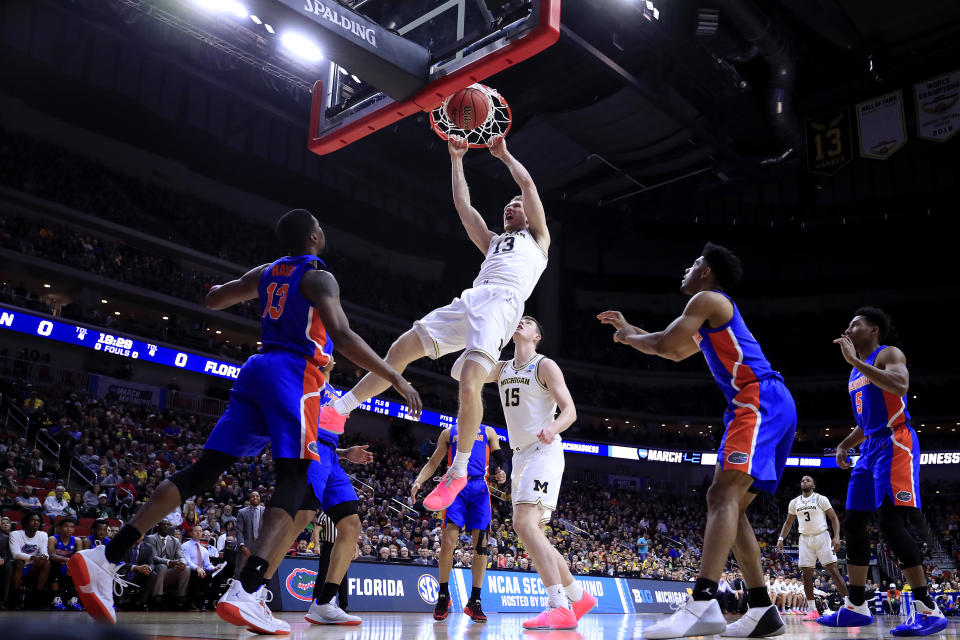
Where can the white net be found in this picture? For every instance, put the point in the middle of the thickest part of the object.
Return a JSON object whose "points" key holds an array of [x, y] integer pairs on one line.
{"points": [[497, 123]]}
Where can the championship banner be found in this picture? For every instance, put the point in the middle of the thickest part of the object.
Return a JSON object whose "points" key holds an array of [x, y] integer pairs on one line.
{"points": [[829, 142], [938, 107], [881, 124]]}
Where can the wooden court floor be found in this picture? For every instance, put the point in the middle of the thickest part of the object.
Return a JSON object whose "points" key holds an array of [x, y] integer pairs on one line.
{"points": [[415, 626]]}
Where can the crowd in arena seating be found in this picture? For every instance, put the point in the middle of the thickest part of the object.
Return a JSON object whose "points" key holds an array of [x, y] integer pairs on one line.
{"points": [[129, 449]]}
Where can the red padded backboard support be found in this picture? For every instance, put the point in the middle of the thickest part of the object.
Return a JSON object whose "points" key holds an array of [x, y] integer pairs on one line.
{"points": [[545, 34]]}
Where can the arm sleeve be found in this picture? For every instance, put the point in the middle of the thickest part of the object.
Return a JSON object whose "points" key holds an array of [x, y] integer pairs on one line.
{"points": [[16, 546], [792, 509]]}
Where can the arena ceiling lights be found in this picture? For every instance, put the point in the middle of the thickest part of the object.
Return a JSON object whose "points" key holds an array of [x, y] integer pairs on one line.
{"points": [[224, 6]]}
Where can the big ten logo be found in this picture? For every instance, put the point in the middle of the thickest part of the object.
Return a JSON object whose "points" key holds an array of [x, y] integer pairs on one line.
{"points": [[300, 584], [429, 588]]}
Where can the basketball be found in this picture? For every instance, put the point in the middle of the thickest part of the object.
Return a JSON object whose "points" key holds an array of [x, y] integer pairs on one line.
{"points": [[468, 108]]}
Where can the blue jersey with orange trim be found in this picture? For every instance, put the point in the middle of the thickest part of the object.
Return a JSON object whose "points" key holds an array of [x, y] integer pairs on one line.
{"points": [[874, 408], [479, 455], [67, 547], [733, 354], [288, 320]]}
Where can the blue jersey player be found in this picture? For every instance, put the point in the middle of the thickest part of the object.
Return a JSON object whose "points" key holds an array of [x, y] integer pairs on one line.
{"points": [[277, 400], [469, 511], [760, 422], [886, 479]]}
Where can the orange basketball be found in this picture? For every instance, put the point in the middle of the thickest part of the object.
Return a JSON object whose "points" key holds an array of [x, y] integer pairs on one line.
{"points": [[468, 108]]}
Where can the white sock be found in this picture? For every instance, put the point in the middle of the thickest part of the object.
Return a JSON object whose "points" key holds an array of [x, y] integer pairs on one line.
{"points": [[811, 605], [574, 591], [345, 403], [460, 462], [558, 598]]}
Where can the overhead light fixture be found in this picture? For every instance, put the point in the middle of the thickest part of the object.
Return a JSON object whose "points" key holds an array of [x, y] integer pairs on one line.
{"points": [[46, 286], [116, 313], [268, 28], [166, 317], [355, 78], [255, 19], [649, 11], [224, 6], [103, 301], [301, 46], [218, 331]]}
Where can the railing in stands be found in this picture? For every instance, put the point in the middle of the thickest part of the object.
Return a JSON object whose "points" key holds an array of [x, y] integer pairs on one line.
{"points": [[82, 472], [45, 440], [41, 373], [203, 405], [17, 418]]}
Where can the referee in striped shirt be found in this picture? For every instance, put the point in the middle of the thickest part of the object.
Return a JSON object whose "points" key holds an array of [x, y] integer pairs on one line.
{"points": [[324, 535]]}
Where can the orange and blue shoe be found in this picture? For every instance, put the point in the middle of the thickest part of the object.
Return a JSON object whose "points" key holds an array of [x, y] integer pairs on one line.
{"points": [[923, 621], [446, 492], [553, 618], [331, 420], [583, 606]]}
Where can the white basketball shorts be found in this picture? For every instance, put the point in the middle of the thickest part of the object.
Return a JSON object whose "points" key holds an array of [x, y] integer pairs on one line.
{"points": [[537, 474], [815, 547], [480, 323]]}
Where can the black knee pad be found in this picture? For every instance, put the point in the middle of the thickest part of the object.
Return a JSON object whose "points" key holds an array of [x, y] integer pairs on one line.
{"points": [[858, 540], [338, 512], [481, 542], [292, 485], [202, 474], [892, 525]]}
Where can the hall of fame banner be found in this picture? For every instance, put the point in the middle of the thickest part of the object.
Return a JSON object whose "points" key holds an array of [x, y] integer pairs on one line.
{"points": [[938, 107], [881, 124]]}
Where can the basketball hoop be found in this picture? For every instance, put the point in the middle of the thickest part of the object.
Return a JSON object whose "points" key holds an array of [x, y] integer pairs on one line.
{"points": [[497, 123]]}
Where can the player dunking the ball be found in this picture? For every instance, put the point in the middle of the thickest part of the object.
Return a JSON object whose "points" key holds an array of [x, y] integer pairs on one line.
{"points": [[479, 322], [470, 511], [811, 510], [276, 399], [886, 478], [760, 420], [531, 387]]}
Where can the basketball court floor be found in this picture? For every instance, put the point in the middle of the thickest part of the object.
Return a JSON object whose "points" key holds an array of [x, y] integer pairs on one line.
{"points": [[417, 626]]}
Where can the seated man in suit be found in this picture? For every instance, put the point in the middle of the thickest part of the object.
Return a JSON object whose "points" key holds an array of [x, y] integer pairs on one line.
{"points": [[197, 557], [137, 568], [168, 566]]}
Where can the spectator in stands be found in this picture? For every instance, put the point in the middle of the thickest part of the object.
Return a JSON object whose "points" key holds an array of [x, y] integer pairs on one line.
{"points": [[31, 564], [7, 501], [227, 516], [103, 509], [10, 475], [28, 501], [191, 517], [891, 604], [55, 505], [91, 499], [384, 554], [75, 506], [6, 562], [197, 558], [33, 402], [210, 522], [168, 566]]}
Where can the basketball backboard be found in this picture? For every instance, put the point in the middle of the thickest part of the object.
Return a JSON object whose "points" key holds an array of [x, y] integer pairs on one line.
{"points": [[466, 41]]}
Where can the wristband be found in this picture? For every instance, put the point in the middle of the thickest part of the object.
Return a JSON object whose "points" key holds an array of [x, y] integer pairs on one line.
{"points": [[779, 539]]}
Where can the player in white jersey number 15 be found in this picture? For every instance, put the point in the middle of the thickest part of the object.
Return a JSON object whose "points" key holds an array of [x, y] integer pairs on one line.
{"points": [[812, 510], [531, 387], [481, 321]]}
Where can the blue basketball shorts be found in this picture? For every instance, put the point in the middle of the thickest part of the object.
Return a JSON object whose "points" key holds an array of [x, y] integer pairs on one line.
{"points": [[276, 399], [329, 481], [889, 465], [761, 422], [471, 508]]}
